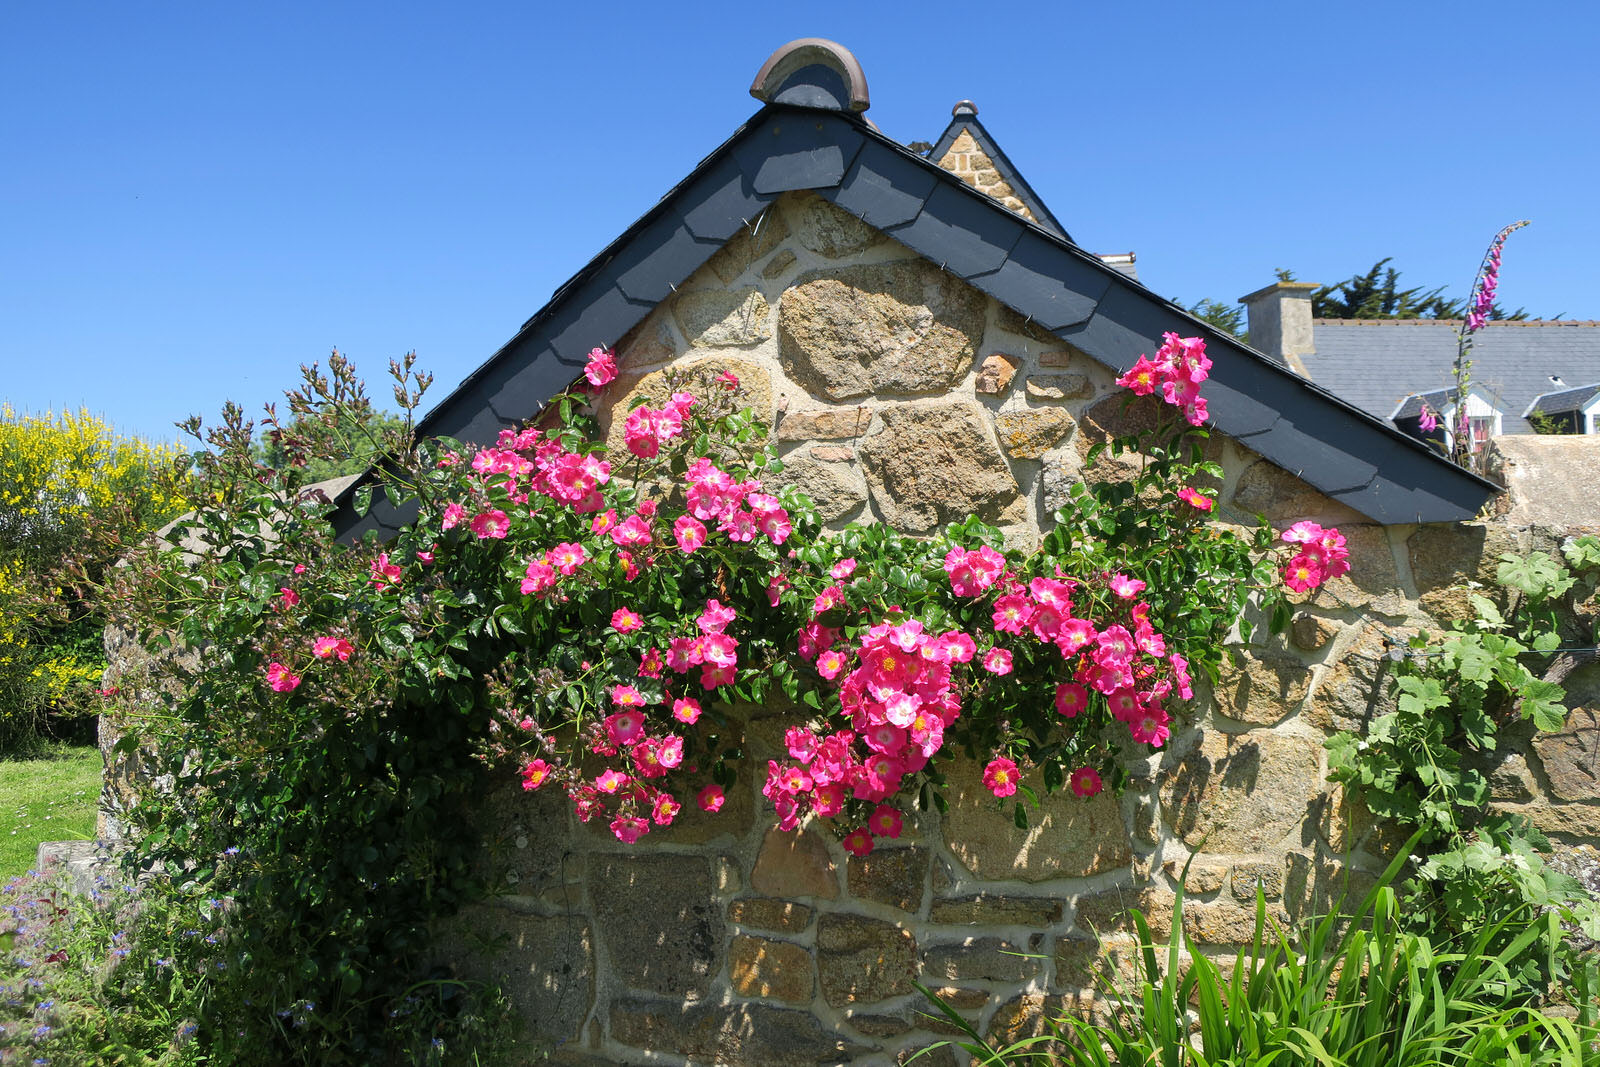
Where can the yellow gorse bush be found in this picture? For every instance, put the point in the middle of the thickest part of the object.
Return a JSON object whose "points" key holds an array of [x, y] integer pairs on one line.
{"points": [[71, 490], [55, 468]]}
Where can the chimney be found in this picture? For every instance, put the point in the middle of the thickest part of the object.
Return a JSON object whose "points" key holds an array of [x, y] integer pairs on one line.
{"points": [[1280, 322]]}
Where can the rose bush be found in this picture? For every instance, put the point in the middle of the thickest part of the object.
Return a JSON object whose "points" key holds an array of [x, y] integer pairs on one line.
{"points": [[593, 620]]}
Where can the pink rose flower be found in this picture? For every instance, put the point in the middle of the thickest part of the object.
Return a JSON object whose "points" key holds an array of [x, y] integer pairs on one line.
{"points": [[1085, 782], [535, 773], [885, 821], [857, 842], [601, 368], [1001, 776], [491, 525], [280, 678], [629, 828], [997, 661], [711, 798], [329, 647]]}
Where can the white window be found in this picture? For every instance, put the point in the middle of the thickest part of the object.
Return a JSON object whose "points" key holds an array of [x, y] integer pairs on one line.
{"points": [[1483, 422]]}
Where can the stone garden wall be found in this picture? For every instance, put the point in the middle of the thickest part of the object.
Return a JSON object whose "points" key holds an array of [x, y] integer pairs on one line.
{"points": [[899, 394]]}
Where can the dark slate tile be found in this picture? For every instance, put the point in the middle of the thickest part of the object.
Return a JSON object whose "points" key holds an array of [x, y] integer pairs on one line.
{"points": [[1387, 502], [1125, 325], [382, 518], [522, 392], [721, 200], [1243, 396], [598, 314], [814, 85], [475, 425], [1047, 283], [1313, 459], [963, 232], [661, 256], [883, 188], [798, 150]]}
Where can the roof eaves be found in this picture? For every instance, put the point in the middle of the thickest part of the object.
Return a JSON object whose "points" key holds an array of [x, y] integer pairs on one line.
{"points": [[1037, 272], [1572, 398]]}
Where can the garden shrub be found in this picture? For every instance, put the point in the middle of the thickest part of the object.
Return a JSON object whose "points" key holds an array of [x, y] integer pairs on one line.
{"points": [[1354, 988], [72, 494], [140, 974], [588, 621], [1422, 766]]}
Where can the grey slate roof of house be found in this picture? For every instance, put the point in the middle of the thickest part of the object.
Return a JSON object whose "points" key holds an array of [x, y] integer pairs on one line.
{"points": [[1376, 364], [1300, 425], [1561, 401], [1411, 408]]}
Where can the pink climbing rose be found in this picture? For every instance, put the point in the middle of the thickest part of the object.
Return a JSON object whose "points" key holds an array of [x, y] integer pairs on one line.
{"points": [[711, 798], [534, 773], [1125, 587], [690, 533], [1085, 782], [611, 781], [885, 821], [1071, 699], [629, 828], [491, 525], [601, 368], [857, 842], [666, 809], [281, 679], [329, 647], [1001, 776]]}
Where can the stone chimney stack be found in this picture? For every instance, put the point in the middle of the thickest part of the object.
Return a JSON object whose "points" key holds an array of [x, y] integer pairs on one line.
{"points": [[1280, 322]]}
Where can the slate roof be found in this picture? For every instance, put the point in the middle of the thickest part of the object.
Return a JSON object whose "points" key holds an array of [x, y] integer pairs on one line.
{"points": [[1377, 363], [1561, 401], [1300, 425], [1436, 399]]}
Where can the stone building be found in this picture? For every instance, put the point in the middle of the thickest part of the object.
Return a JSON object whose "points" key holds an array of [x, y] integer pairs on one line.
{"points": [[928, 342]]}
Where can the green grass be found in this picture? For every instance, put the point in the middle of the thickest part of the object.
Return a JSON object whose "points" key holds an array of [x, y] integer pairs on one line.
{"points": [[48, 799]]}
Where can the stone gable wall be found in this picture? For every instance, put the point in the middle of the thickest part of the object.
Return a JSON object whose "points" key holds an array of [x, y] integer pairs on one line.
{"points": [[899, 394], [972, 165]]}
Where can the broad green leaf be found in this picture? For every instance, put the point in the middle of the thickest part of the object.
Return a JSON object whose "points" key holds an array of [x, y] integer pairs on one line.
{"points": [[1541, 702]]}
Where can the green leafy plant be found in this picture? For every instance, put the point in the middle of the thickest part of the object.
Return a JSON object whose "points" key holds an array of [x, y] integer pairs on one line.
{"points": [[1420, 766], [146, 974], [586, 602], [73, 493], [1351, 989]]}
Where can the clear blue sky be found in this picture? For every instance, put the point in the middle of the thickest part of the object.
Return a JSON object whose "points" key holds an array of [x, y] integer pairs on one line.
{"points": [[196, 198]]}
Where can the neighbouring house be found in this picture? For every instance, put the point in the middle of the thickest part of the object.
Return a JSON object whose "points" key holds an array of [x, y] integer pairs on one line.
{"points": [[1536, 376]]}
